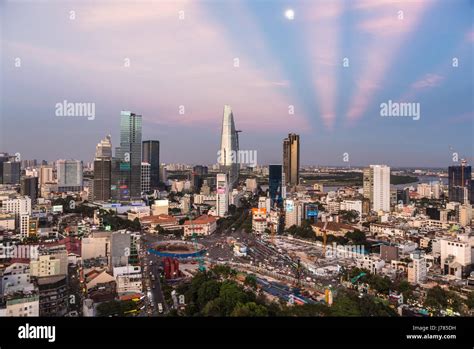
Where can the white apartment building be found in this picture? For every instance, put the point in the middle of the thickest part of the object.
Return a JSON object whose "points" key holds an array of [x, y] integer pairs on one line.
{"points": [[18, 206], [456, 255], [27, 306], [381, 187], [160, 207], [259, 220], [222, 198], [50, 264], [145, 177], [129, 279], [352, 205], [293, 213], [417, 269], [372, 263], [264, 202]]}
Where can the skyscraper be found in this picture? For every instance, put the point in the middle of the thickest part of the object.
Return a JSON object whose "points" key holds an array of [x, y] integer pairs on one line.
{"points": [[69, 173], [29, 187], [459, 183], [291, 160], [222, 197], [151, 155], [102, 170], [197, 177], [275, 184], [11, 172], [376, 183], [126, 167], [228, 153], [104, 148], [146, 176]]}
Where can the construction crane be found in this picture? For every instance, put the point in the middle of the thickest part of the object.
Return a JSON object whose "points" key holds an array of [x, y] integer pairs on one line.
{"points": [[354, 279], [199, 258]]}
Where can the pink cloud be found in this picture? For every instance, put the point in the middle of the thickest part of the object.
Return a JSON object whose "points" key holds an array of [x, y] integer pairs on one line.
{"points": [[387, 34], [324, 29], [428, 81]]}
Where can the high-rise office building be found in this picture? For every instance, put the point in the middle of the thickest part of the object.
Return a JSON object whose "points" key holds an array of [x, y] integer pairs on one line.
{"points": [[222, 197], [126, 166], [46, 175], [376, 186], [3, 158], [11, 171], [102, 170], [275, 184], [228, 153], [104, 148], [291, 160], [151, 155], [146, 177], [460, 183], [197, 177], [29, 187], [69, 173]]}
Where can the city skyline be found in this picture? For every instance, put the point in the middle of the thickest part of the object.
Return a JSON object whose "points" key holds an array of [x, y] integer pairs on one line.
{"points": [[274, 71]]}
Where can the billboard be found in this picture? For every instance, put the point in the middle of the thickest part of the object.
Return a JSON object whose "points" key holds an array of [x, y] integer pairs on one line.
{"points": [[221, 187], [58, 208], [259, 211], [289, 205], [312, 211]]}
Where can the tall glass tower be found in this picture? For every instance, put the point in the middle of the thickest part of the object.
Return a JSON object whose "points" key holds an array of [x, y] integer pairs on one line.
{"points": [[459, 183], [275, 184], [228, 154], [128, 158], [291, 159], [151, 155]]}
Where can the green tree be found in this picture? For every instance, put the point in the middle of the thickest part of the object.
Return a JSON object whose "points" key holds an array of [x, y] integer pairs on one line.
{"points": [[208, 291], [249, 309], [436, 298], [251, 280], [231, 294]]}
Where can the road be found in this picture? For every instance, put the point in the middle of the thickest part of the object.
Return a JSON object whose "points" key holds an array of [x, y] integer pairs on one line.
{"points": [[151, 278]]}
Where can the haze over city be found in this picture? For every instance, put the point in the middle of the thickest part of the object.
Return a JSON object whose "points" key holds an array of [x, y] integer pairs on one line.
{"points": [[332, 63]]}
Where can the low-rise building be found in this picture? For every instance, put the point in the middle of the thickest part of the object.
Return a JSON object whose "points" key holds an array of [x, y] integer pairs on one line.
{"points": [[203, 225]]}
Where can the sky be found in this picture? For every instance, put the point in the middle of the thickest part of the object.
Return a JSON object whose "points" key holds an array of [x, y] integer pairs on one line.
{"points": [[321, 69]]}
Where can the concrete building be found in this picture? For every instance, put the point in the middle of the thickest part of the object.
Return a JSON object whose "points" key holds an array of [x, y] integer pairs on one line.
{"points": [[456, 256], [376, 183], [259, 220], [53, 295], [293, 213], [388, 253], [222, 199], [97, 245], [50, 262], [160, 207], [203, 225], [145, 179], [69, 173], [417, 269], [23, 306], [291, 160], [128, 279]]}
